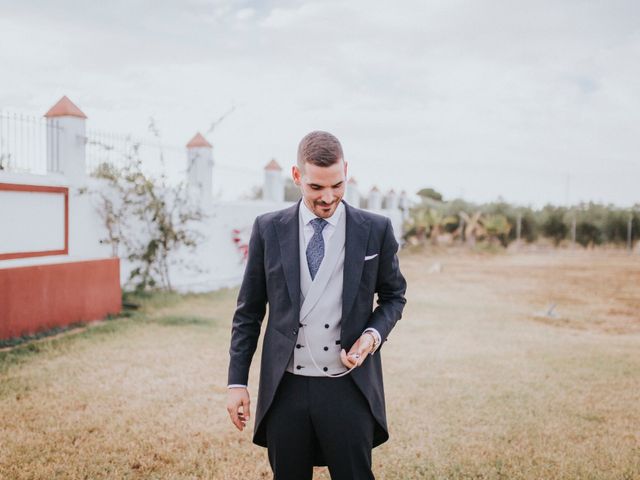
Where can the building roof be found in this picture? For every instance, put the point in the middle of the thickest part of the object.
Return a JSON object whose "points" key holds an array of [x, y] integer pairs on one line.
{"points": [[65, 108], [198, 141], [273, 165]]}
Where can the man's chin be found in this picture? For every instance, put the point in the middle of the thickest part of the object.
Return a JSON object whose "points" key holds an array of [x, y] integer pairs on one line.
{"points": [[324, 212]]}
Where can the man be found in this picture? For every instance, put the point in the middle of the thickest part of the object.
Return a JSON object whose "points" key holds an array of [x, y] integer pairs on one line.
{"points": [[318, 265]]}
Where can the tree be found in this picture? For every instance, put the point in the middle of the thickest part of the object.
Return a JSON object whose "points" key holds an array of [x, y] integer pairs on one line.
{"points": [[430, 193], [497, 228], [148, 218], [473, 228], [553, 223]]}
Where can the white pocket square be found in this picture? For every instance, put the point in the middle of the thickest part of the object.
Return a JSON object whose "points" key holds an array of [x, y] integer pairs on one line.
{"points": [[369, 257]]}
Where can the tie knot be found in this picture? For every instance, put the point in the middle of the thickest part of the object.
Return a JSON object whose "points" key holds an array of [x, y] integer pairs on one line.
{"points": [[318, 224]]}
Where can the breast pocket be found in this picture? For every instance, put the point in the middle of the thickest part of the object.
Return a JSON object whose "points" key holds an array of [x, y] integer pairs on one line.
{"points": [[370, 269]]}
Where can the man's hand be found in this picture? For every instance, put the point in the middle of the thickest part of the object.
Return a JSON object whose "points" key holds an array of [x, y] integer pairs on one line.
{"points": [[358, 351], [238, 406]]}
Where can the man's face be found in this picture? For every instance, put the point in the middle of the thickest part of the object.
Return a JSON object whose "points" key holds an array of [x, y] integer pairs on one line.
{"points": [[322, 187]]}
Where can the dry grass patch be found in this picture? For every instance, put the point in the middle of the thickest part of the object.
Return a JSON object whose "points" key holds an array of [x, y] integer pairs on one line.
{"points": [[476, 386]]}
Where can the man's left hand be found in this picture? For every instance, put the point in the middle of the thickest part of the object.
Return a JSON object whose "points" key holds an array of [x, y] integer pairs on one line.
{"points": [[358, 351]]}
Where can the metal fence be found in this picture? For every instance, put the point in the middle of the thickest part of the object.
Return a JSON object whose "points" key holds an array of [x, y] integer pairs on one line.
{"points": [[166, 161], [119, 150], [29, 144]]}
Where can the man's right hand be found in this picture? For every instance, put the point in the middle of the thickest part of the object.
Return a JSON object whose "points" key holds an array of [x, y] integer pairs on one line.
{"points": [[238, 406]]}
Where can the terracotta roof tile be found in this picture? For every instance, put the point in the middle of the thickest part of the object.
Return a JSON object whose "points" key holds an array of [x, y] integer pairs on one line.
{"points": [[198, 141], [65, 108], [273, 165]]}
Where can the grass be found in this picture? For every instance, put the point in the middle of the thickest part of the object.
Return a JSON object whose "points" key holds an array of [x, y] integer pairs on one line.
{"points": [[478, 384]]}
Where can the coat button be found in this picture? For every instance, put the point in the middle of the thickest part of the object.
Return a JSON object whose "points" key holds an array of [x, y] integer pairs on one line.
{"points": [[326, 348], [294, 331], [326, 325], [325, 369], [298, 346], [298, 367]]}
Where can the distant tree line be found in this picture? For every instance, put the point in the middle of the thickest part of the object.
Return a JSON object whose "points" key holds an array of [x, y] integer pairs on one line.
{"points": [[435, 220]]}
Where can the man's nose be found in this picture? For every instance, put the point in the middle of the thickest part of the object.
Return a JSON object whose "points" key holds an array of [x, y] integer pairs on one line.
{"points": [[327, 197]]}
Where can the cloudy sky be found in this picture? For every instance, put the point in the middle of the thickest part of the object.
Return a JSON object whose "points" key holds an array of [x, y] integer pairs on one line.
{"points": [[534, 101]]}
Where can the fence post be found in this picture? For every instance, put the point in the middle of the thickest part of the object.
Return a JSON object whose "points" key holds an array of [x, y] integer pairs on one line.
{"points": [[353, 194], [391, 200], [273, 188], [66, 139], [403, 204], [200, 167], [374, 201], [630, 233]]}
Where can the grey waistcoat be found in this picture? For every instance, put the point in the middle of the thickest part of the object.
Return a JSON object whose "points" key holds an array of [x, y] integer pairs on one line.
{"points": [[321, 309]]}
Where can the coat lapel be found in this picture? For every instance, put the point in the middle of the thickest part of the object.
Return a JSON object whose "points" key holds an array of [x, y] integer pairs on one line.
{"points": [[287, 232], [357, 236]]}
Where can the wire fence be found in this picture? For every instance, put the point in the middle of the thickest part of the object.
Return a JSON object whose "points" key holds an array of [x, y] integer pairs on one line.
{"points": [[118, 150], [165, 161], [29, 144]]}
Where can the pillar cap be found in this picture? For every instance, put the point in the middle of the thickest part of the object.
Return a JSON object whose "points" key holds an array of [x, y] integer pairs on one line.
{"points": [[352, 181], [375, 189], [273, 165], [65, 108], [198, 141]]}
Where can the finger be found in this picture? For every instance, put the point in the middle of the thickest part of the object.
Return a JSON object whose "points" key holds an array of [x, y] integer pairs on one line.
{"points": [[246, 410], [235, 419], [346, 360]]}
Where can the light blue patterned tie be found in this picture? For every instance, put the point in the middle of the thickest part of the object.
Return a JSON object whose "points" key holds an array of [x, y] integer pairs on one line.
{"points": [[315, 249]]}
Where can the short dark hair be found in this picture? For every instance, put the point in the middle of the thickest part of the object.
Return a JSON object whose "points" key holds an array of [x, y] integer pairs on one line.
{"points": [[319, 148]]}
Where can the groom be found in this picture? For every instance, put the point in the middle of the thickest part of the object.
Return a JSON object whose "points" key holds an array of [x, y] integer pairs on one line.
{"points": [[318, 265]]}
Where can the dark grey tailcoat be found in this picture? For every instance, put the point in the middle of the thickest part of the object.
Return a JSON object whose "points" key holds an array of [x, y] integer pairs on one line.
{"points": [[272, 277]]}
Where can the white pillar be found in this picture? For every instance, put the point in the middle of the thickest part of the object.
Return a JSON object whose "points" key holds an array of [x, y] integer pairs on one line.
{"points": [[375, 199], [353, 195], [273, 189], [66, 139], [392, 200], [200, 167], [403, 203]]}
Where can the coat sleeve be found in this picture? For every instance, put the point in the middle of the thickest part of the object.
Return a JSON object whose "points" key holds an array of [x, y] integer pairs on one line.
{"points": [[250, 311], [390, 287]]}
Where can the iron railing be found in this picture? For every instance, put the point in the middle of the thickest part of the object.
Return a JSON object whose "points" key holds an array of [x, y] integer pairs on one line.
{"points": [[29, 144]]}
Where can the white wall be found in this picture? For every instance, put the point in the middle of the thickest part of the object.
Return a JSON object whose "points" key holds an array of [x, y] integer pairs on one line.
{"points": [[219, 259]]}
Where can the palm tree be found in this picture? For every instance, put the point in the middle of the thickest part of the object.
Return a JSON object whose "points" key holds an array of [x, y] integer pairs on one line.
{"points": [[497, 227], [473, 228]]}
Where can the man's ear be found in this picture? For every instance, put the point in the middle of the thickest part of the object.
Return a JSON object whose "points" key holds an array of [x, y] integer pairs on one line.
{"points": [[296, 175], [345, 168]]}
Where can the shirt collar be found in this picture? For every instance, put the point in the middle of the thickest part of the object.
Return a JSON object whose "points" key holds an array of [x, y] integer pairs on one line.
{"points": [[307, 215]]}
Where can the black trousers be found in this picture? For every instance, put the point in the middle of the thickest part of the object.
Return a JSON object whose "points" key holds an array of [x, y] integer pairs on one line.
{"points": [[319, 417]]}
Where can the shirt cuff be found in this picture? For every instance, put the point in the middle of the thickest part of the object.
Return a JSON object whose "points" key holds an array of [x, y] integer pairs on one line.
{"points": [[377, 335], [236, 385]]}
